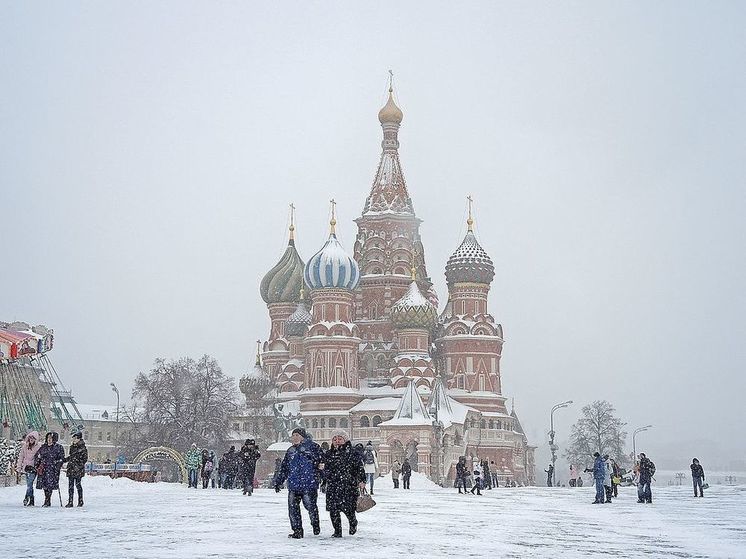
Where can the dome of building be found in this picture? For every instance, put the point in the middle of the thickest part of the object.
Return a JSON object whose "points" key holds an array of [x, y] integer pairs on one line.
{"points": [[297, 323], [256, 382], [470, 263], [390, 112], [332, 267], [414, 310], [283, 282]]}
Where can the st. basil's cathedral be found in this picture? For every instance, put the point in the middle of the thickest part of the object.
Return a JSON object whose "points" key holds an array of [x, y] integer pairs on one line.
{"points": [[357, 345]]}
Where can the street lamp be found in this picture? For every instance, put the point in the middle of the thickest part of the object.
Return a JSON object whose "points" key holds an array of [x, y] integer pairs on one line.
{"points": [[116, 427], [634, 434], [553, 447]]}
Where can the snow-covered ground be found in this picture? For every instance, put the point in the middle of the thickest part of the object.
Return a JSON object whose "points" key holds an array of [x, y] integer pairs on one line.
{"points": [[125, 519]]}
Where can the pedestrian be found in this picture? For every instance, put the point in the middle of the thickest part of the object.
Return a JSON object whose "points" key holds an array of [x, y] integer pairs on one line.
{"points": [[299, 468], [322, 479], [461, 473], [616, 477], [486, 476], [477, 479], [647, 471], [193, 461], [208, 465], [550, 474], [345, 476], [248, 456], [599, 472], [493, 473], [214, 472], [698, 476], [370, 461], [49, 461], [276, 474], [231, 468], [26, 464], [406, 473], [608, 472], [395, 472], [573, 475], [76, 461]]}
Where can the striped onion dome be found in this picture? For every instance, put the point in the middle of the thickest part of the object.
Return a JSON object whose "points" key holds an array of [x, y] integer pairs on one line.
{"points": [[331, 267], [283, 282], [414, 310], [298, 322], [470, 263]]}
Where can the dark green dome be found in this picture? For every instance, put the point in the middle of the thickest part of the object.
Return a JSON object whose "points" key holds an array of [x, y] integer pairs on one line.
{"points": [[282, 284]]}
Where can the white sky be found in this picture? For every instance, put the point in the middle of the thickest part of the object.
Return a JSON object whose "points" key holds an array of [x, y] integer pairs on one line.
{"points": [[148, 152]]}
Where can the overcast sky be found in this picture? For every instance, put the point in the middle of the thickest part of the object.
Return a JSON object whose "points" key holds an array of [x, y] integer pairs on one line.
{"points": [[149, 151]]}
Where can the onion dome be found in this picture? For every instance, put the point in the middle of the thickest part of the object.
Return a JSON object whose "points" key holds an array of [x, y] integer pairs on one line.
{"points": [[332, 267], [390, 112], [470, 263], [283, 282], [256, 382], [414, 310], [297, 323]]}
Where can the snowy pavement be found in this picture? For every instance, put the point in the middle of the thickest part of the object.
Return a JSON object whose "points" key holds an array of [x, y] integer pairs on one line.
{"points": [[125, 519]]}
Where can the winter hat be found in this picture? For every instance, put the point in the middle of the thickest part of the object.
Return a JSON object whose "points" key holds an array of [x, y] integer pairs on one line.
{"points": [[340, 434], [300, 431], [78, 435]]}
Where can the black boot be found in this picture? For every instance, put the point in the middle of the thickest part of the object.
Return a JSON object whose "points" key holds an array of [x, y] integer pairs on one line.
{"points": [[30, 501], [47, 499], [296, 534], [353, 526], [80, 500], [69, 504], [26, 498], [316, 529]]}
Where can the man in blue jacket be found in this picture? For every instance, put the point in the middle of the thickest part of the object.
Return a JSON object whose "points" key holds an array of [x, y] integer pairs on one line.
{"points": [[300, 468], [599, 473]]}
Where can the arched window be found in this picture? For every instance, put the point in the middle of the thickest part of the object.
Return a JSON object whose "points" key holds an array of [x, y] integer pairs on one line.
{"points": [[364, 421], [491, 424], [332, 422], [472, 423], [376, 420], [315, 423], [322, 423], [343, 423], [482, 424]]}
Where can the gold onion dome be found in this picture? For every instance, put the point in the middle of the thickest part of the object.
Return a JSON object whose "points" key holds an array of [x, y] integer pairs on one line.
{"points": [[282, 284], [414, 310], [390, 112]]}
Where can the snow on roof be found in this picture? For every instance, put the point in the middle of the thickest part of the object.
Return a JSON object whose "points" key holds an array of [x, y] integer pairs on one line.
{"points": [[439, 404], [389, 403], [98, 412], [411, 410]]}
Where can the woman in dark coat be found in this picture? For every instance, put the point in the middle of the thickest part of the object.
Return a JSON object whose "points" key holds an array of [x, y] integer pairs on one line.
{"points": [[345, 476], [248, 456], [49, 461], [76, 469]]}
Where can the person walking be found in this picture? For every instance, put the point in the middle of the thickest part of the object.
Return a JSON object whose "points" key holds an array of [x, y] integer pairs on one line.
{"points": [[599, 472], [345, 477], [26, 464], [208, 465], [230, 468], [573, 475], [477, 479], [550, 473], [616, 477], [461, 473], [248, 456], [193, 459], [395, 472], [406, 473], [698, 476], [49, 462], [493, 473], [486, 476], [647, 471], [607, 478], [76, 460], [370, 460], [299, 468], [214, 472]]}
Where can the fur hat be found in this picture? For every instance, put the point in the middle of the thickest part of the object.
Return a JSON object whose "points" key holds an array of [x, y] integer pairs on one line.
{"points": [[300, 431]]}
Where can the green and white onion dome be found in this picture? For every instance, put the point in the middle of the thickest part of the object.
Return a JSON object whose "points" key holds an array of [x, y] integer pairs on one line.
{"points": [[282, 284], [414, 310], [470, 263]]}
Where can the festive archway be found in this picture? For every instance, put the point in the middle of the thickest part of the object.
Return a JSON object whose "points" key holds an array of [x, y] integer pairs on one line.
{"points": [[164, 452]]}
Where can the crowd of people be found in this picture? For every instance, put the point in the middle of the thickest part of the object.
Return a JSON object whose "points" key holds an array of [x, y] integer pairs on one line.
{"points": [[232, 470], [42, 464]]}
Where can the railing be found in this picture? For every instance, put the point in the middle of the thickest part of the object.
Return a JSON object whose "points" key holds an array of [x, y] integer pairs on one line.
{"points": [[93, 468]]}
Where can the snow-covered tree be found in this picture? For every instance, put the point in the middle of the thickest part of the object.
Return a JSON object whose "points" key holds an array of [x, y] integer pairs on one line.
{"points": [[598, 429]]}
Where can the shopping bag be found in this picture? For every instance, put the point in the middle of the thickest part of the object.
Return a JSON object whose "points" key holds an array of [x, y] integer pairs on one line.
{"points": [[364, 501], [705, 486]]}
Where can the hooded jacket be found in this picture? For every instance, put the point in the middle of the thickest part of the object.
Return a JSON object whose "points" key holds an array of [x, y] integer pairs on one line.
{"points": [[27, 457], [299, 467], [76, 460]]}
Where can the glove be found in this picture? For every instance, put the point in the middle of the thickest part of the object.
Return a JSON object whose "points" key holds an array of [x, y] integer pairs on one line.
{"points": [[277, 488]]}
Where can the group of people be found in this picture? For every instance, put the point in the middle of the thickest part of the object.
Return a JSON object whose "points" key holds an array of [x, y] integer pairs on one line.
{"points": [[41, 462], [233, 468], [483, 474], [403, 469]]}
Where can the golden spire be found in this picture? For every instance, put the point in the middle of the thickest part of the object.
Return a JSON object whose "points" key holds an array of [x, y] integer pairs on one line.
{"points": [[292, 222], [413, 272], [302, 293], [470, 220], [258, 358], [333, 220], [390, 113]]}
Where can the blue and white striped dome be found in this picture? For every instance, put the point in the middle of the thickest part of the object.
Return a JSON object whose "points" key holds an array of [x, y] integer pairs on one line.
{"points": [[332, 267]]}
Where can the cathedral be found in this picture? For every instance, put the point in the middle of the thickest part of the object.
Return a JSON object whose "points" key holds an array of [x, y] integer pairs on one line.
{"points": [[357, 344]]}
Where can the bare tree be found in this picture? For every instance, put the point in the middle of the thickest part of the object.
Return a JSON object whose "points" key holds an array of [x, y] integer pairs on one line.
{"points": [[182, 402], [597, 430]]}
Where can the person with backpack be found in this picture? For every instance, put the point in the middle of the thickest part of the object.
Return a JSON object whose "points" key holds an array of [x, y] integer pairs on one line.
{"points": [[193, 459], [698, 476], [299, 468], [76, 461], [370, 462], [208, 465], [406, 473], [345, 479], [248, 456], [25, 464], [395, 472], [647, 471]]}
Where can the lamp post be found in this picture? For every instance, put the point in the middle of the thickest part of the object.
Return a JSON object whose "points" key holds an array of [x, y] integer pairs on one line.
{"points": [[634, 435], [553, 447], [116, 428]]}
